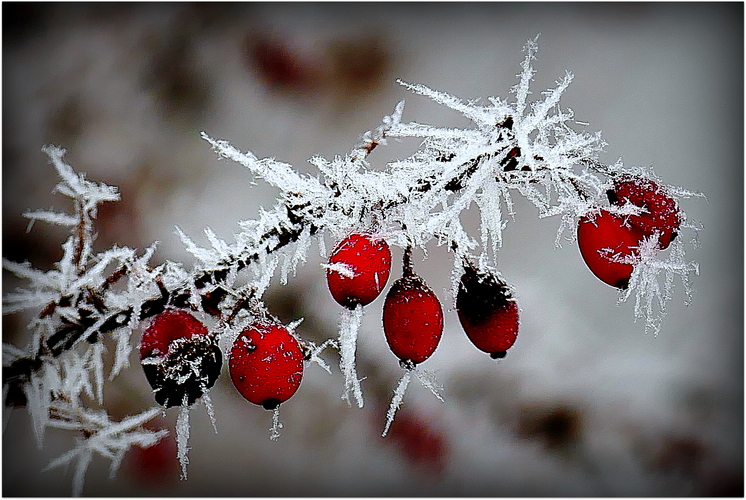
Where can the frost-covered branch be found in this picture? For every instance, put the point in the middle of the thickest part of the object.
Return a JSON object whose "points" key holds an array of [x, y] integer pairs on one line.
{"points": [[92, 300], [109, 439]]}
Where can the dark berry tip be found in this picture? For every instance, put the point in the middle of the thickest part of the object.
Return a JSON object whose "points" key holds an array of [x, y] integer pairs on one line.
{"points": [[351, 303], [407, 364], [498, 355], [612, 196], [271, 403], [622, 284]]}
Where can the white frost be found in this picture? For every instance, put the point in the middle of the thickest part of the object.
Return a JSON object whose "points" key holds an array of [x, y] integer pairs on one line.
{"points": [[426, 378], [109, 439], [652, 295], [349, 325], [210, 408], [396, 400], [342, 268], [274, 431], [182, 437]]}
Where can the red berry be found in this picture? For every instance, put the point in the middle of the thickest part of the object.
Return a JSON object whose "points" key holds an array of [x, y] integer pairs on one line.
{"points": [[266, 364], [157, 464], [369, 259], [487, 312], [420, 442], [662, 214], [179, 358], [412, 320], [604, 237]]}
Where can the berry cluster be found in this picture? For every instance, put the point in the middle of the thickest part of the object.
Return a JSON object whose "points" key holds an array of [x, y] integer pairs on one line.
{"points": [[412, 314], [609, 242], [182, 361]]}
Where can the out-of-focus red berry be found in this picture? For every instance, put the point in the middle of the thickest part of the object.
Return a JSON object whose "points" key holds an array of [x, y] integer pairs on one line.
{"points": [[419, 442]]}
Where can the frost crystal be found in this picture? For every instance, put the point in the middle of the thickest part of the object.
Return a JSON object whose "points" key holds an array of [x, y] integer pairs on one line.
{"points": [[396, 400], [210, 409], [651, 295], [425, 378], [314, 351], [182, 437], [349, 325], [274, 431], [110, 439]]}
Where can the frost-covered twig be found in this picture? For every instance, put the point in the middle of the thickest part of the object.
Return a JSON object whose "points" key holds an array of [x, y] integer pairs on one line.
{"points": [[109, 439], [90, 299]]}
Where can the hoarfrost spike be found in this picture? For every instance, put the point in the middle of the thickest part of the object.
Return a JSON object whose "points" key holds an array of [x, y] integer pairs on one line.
{"points": [[210, 408], [349, 326], [274, 431], [182, 437], [396, 400]]}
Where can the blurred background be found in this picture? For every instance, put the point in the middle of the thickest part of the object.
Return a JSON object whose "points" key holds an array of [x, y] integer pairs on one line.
{"points": [[585, 404]]}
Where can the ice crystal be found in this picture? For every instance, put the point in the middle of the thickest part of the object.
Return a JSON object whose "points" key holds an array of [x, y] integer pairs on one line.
{"points": [[274, 431], [109, 439], [396, 400], [426, 379], [652, 295], [349, 325], [314, 351], [182, 437], [76, 308]]}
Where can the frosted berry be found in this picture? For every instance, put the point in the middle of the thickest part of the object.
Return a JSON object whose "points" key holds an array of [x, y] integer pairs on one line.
{"points": [[179, 358], [662, 213], [266, 364], [604, 237], [368, 259], [412, 320], [487, 312]]}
